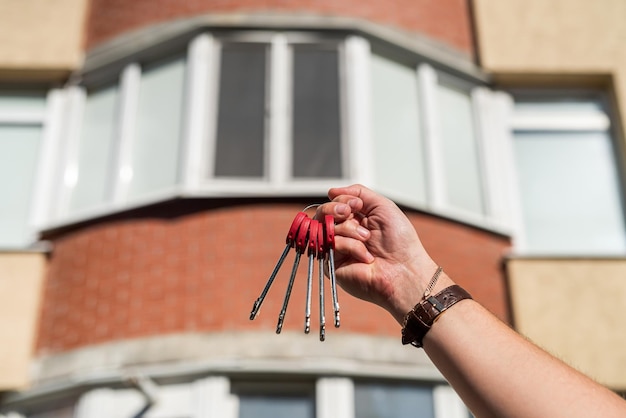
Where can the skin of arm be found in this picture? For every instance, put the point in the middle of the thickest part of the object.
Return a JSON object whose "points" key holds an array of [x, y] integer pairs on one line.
{"points": [[380, 259]]}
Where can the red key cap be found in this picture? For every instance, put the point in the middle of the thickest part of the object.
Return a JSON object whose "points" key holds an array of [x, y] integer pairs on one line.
{"points": [[301, 241]]}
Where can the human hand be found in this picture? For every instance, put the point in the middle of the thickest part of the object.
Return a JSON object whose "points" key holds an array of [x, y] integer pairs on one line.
{"points": [[379, 257]]}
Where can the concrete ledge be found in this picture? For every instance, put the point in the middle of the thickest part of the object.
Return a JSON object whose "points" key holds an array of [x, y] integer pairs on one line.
{"points": [[176, 33], [184, 357]]}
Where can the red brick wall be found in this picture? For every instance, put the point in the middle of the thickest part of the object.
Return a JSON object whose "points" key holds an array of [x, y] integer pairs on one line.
{"points": [[445, 20], [202, 272]]}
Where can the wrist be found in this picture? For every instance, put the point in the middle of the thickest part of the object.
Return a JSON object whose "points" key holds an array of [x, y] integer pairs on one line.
{"points": [[413, 292], [419, 320]]}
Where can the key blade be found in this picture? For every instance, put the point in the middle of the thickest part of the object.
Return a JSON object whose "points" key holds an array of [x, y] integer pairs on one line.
{"points": [[257, 304], [283, 311]]}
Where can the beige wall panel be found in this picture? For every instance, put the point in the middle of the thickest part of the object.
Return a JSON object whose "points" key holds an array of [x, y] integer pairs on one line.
{"points": [[574, 309], [21, 277], [551, 35], [41, 34], [534, 37]]}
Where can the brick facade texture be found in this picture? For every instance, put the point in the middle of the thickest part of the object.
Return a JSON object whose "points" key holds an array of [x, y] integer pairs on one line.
{"points": [[447, 21], [201, 272]]}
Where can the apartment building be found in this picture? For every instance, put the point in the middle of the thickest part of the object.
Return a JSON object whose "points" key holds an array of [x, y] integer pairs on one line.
{"points": [[154, 153]]}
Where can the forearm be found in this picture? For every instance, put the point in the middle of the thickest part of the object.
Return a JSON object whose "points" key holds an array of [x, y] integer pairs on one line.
{"points": [[500, 374]]}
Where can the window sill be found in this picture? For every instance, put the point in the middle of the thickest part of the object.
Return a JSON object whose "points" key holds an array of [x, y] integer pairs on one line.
{"points": [[179, 200]]}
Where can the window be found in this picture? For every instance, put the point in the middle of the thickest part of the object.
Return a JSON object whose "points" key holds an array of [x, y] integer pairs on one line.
{"points": [[460, 152], [157, 142], [568, 177], [257, 105], [96, 151], [276, 406], [242, 109], [21, 126], [273, 396], [278, 120], [316, 125], [400, 164], [379, 400], [253, 113], [64, 412], [427, 152], [275, 399]]}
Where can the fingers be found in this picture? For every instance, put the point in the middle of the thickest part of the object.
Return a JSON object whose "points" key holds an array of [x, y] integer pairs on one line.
{"points": [[347, 224], [368, 197], [341, 208], [350, 235], [353, 249], [352, 229]]}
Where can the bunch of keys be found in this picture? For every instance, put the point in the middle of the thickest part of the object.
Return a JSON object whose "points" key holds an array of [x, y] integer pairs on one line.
{"points": [[320, 237]]}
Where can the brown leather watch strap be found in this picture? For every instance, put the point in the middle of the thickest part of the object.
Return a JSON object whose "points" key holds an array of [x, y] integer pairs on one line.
{"points": [[421, 318]]}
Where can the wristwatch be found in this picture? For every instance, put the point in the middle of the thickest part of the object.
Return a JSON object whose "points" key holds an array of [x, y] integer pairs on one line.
{"points": [[421, 318]]}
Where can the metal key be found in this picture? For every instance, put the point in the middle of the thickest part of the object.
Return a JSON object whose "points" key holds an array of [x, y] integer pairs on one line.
{"points": [[329, 247], [301, 241], [320, 260], [313, 227], [291, 241]]}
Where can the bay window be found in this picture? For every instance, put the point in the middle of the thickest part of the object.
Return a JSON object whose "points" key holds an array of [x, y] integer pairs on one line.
{"points": [[259, 113]]}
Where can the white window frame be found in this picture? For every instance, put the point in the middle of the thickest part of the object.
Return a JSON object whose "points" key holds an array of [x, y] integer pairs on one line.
{"points": [[429, 81], [278, 146], [598, 121], [49, 118]]}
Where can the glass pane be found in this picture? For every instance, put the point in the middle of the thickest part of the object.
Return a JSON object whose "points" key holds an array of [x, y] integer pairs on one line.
{"points": [[156, 147], [557, 105], [19, 151], [259, 406], [316, 124], [570, 192], [65, 412], [240, 150], [393, 401], [17, 100], [460, 152], [95, 149], [398, 147]]}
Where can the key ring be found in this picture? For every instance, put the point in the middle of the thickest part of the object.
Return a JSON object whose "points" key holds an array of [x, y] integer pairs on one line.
{"points": [[317, 239]]}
